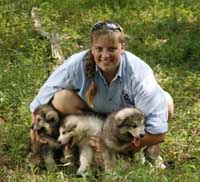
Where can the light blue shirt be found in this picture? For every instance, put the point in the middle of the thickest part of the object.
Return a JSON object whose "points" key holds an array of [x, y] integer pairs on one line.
{"points": [[133, 85]]}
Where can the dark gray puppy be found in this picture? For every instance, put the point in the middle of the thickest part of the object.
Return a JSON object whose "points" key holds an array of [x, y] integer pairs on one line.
{"points": [[47, 126]]}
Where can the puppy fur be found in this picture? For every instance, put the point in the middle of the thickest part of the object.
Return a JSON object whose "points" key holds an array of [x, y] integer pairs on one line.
{"points": [[119, 130], [116, 134], [47, 126], [151, 155], [77, 130]]}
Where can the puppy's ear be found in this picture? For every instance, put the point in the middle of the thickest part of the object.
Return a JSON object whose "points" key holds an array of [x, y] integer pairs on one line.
{"points": [[52, 116], [119, 122]]}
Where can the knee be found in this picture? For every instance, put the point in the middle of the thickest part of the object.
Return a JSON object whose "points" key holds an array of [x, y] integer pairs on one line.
{"points": [[154, 139], [161, 138], [67, 101], [170, 105], [149, 140]]}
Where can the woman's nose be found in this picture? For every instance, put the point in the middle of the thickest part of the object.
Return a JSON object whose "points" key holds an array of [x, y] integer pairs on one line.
{"points": [[105, 54]]}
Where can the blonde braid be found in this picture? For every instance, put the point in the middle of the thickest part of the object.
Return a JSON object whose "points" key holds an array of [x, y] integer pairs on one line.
{"points": [[90, 73]]}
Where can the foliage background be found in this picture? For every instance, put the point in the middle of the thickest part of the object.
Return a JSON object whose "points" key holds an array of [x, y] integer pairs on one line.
{"points": [[164, 33]]}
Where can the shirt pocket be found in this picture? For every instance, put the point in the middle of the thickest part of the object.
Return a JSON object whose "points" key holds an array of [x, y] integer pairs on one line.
{"points": [[126, 99]]}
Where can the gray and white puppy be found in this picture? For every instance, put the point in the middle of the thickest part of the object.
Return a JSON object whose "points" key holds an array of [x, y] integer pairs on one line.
{"points": [[76, 129], [119, 130]]}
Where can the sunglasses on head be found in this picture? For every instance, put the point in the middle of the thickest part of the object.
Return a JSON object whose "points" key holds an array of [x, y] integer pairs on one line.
{"points": [[106, 25]]}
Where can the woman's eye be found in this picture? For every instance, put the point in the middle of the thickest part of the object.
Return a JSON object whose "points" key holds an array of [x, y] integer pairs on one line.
{"points": [[99, 49], [112, 49]]}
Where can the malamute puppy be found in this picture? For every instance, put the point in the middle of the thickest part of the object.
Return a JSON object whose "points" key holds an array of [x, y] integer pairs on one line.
{"points": [[76, 130], [119, 129], [47, 126]]}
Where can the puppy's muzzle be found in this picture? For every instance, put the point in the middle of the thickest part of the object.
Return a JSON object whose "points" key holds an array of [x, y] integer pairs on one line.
{"points": [[142, 135], [38, 129]]}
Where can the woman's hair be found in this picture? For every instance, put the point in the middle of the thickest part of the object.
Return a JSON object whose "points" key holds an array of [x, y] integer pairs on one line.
{"points": [[101, 28]]}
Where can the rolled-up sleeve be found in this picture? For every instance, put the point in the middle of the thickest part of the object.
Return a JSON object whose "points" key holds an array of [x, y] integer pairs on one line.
{"points": [[59, 79], [151, 100]]}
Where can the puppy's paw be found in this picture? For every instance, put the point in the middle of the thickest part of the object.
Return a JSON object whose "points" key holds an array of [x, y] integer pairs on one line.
{"points": [[142, 158], [81, 174], [51, 167], [32, 160], [158, 163], [153, 161]]}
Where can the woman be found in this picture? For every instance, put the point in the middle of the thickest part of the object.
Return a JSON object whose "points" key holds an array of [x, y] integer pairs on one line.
{"points": [[107, 78]]}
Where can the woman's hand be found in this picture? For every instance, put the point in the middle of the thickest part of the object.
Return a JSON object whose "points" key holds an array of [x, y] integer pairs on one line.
{"points": [[148, 140], [34, 134], [35, 137], [95, 143]]}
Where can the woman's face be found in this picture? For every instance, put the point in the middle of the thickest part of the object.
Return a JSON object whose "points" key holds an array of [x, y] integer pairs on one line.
{"points": [[106, 52]]}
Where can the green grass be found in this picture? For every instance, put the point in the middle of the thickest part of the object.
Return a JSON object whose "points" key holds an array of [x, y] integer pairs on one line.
{"points": [[165, 34]]}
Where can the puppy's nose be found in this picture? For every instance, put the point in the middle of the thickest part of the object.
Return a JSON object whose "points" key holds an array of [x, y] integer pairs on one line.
{"points": [[142, 135]]}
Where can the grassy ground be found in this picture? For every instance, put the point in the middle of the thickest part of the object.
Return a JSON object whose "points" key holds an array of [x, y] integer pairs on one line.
{"points": [[166, 34]]}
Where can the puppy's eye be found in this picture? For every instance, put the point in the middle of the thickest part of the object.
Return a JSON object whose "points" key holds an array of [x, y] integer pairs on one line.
{"points": [[63, 132], [41, 130], [70, 128], [50, 120], [134, 126], [38, 120]]}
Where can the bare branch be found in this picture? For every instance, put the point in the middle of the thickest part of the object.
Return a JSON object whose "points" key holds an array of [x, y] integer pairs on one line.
{"points": [[54, 39]]}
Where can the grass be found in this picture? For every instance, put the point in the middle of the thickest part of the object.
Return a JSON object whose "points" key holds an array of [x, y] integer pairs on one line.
{"points": [[166, 34]]}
